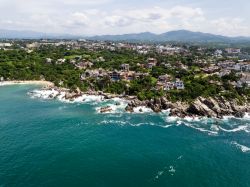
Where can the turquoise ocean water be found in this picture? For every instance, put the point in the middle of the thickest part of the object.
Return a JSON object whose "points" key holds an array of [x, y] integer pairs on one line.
{"points": [[51, 143]]}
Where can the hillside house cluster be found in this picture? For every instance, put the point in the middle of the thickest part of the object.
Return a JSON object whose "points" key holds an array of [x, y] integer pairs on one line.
{"points": [[233, 50], [165, 83], [112, 75], [151, 62], [84, 64], [244, 80], [226, 67]]}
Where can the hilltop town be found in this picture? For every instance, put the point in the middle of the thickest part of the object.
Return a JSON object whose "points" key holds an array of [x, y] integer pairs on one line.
{"points": [[175, 73]]}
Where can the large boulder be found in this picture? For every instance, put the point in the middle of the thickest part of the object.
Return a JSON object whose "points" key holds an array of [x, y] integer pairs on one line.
{"points": [[68, 96], [200, 108], [129, 108]]}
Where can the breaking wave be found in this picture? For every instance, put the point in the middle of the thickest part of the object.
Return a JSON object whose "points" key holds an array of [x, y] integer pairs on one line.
{"points": [[243, 148], [54, 94], [117, 105]]}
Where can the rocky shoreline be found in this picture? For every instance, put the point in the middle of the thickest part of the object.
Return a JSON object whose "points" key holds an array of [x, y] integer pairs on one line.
{"points": [[217, 107], [202, 107]]}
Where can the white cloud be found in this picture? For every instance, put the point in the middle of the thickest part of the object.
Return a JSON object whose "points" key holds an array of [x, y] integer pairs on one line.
{"points": [[118, 21], [154, 19], [79, 19], [232, 26], [84, 2], [185, 12], [93, 17]]}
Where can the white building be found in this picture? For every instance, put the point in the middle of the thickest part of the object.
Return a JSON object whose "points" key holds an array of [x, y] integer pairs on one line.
{"points": [[151, 62], [125, 67], [244, 80], [60, 61], [5, 44], [243, 66], [224, 72], [233, 51], [179, 84], [48, 60], [218, 53]]}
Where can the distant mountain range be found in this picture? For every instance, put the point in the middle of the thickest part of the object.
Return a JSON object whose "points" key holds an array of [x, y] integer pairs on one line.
{"points": [[172, 36]]}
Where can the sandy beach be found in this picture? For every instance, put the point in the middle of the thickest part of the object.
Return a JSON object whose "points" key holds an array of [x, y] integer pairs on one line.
{"points": [[43, 83]]}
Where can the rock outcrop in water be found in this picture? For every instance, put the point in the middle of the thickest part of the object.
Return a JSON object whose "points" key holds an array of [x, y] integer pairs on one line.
{"points": [[106, 109], [202, 107]]}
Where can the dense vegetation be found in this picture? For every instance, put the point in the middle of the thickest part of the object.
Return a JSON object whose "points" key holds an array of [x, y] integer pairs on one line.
{"points": [[19, 64]]}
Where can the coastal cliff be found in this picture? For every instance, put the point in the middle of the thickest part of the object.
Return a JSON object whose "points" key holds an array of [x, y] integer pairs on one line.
{"points": [[216, 107]]}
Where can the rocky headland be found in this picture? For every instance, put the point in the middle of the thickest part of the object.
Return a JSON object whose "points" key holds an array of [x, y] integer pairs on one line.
{"points": [[215, 107]]}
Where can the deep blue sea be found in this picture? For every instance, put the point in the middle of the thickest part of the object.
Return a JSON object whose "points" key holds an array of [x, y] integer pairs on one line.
{"points": [[51, 143]]}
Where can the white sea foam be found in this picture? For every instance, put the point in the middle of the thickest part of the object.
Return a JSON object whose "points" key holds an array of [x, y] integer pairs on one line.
{"points": [[191, 119], [55, 94], [186, 119], [193, 123], [117, 105], [116, 122], [210, 132], [92, 98], [215, 128], [180, 157], [165, 112], [167, 126], [239, 128], [243, 148], [142, 109], [178, 123], [159, 173], [226, 118], [171, 170], [207, 125], [171, 119], [44, 94], [123, 123], [247, 116], [6, 83], [62, 107]]}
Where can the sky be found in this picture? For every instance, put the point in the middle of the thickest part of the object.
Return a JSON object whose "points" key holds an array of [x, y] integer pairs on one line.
{"points": [[98, 17]]}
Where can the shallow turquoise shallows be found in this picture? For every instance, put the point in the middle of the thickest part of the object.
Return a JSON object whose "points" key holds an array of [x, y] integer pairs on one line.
{"points": [[50, 143]]}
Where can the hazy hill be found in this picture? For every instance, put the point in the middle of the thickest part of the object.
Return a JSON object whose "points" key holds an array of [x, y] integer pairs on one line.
{"points": [[172, 36], [175, 36]]}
